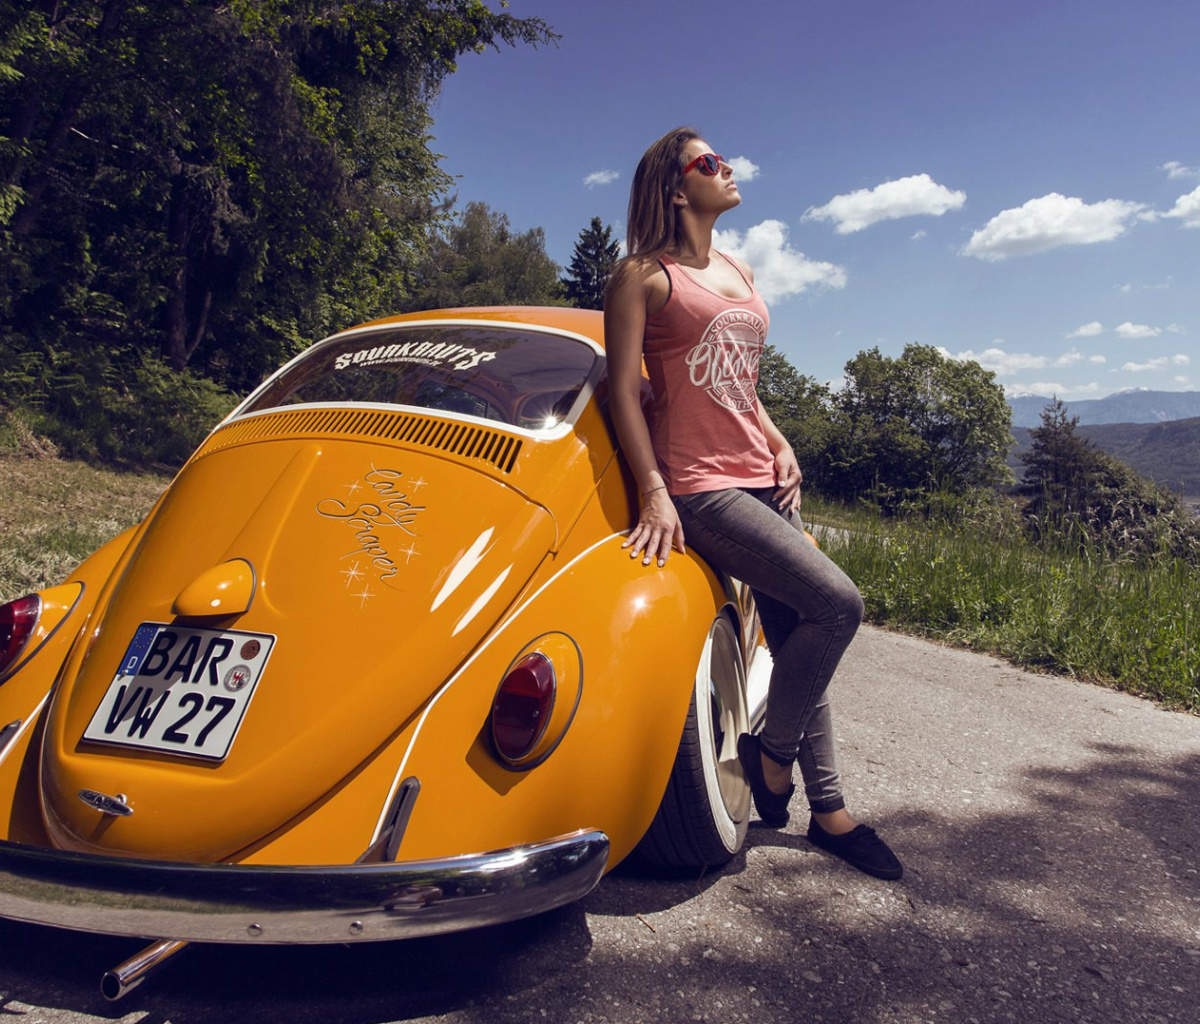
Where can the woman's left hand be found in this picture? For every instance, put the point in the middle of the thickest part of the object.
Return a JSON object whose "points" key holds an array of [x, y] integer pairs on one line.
{"points": [[787, 480]]}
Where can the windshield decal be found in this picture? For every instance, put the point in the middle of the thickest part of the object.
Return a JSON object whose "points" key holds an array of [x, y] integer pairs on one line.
{"points": [[445, 355]]}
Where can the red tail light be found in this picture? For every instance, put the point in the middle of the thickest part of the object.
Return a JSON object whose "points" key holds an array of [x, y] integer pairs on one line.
{"points": [[17, 621], [521, 710]]}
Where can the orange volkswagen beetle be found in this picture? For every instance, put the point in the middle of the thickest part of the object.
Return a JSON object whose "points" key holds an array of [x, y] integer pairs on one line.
{"points": [[376, 665]]}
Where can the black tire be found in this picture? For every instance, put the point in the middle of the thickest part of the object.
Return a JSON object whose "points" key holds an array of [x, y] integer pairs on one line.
{"points": [[701, 822]]}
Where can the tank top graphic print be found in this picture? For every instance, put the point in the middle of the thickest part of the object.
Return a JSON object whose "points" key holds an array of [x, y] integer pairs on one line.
{"points": [[702, 352], [724, 362]]}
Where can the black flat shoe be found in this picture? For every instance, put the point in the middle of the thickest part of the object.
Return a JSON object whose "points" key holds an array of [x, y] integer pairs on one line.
{"points": [[860, 847], [772, 807]]}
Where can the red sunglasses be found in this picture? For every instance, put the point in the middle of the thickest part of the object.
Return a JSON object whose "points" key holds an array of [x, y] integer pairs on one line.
{"points": [[709, 164]]}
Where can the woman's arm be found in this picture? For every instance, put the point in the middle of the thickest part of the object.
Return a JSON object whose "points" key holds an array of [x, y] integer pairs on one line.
{"points": [[787, 470], [658, 527]]}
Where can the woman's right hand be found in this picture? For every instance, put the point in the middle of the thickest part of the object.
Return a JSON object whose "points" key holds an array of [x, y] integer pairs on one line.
{"points": [[658, 529]]}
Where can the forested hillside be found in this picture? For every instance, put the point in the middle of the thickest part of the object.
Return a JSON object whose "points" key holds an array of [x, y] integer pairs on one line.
{"points": [[1167, 453]]}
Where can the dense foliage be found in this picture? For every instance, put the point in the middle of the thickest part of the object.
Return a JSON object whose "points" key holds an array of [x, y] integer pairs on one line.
{"points": [[916, 425], [903, 434], [211, 183], [802, 410], [478, 260], [1080, 496]]}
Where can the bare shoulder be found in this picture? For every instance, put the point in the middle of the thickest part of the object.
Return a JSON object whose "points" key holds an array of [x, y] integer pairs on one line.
{"points": [[637, 272], [641, 280]]}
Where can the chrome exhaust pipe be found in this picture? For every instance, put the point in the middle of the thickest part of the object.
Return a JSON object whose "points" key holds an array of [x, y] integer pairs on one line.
{"points": [[124, 978]]}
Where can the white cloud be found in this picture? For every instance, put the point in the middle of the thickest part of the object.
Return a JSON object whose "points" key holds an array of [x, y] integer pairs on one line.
{"points": [[1087, 330], [779, 270], [1161, 363], [1003, 364], [1097, 360], [1008, 364], [917, 236], [743, 169], [1175, 169], [601, 178], [1047, 223], [1130, 331], [1162, 286], [1187, 209], [1049, 387], [913, 196]]}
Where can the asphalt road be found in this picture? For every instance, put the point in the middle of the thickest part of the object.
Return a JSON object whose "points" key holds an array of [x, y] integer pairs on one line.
{"points": [[1049, 831]]}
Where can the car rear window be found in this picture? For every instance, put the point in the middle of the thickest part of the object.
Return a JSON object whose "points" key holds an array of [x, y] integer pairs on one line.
{"points": [[522, 377]]}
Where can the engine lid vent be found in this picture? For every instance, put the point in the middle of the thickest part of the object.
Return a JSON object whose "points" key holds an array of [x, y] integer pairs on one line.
{"points": [[473, 442]]}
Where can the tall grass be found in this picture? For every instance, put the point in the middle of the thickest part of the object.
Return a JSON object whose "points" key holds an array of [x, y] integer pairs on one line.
{"points": [[1075, 611]]}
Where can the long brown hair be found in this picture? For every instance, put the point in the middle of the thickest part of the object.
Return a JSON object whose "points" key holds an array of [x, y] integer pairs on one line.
{"points": [[653, 224]]}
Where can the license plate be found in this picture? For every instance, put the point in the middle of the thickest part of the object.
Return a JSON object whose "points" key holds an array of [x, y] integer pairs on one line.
{"points": [[181, 690]]}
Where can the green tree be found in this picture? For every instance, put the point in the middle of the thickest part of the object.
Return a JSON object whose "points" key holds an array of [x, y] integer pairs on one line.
{"points": [[1061, 471], [907, 428], [1078, 496], [592, 262], [478, 260], [215, 182], [800, 408]]}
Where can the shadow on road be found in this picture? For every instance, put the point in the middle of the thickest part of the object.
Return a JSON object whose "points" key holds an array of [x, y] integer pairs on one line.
{"points": [[1081, 902]]}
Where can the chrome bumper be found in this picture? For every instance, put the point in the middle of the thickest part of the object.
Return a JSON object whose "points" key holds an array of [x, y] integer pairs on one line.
{"points": [[267, 904]]}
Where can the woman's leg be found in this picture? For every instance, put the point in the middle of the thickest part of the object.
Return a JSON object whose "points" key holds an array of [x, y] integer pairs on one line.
{"points": [[810, 611]]}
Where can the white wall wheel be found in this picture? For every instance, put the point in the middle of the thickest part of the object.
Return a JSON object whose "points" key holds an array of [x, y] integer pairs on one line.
{"points": [[702, 819]]}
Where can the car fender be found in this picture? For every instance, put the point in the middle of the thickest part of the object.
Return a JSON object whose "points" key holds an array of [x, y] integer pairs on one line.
{"points": [[25, 689], [638, 654]]}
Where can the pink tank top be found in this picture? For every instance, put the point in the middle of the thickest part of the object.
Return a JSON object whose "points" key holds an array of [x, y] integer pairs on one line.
{"points": [[702, 351]]}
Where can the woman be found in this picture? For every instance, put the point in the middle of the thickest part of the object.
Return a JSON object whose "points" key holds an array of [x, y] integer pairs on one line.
{"points": [[712, 467]]}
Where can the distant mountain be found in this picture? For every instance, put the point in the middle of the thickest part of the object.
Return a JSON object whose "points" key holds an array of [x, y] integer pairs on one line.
{"points": [[1167, 453], [1135, 406]]}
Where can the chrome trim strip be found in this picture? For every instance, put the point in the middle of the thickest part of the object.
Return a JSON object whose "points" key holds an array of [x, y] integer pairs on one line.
{"points": [[10, 739], [232, 903], [7, 735]]}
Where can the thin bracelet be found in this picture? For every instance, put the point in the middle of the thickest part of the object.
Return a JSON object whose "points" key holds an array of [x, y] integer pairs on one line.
{"points": [[660, 487]]}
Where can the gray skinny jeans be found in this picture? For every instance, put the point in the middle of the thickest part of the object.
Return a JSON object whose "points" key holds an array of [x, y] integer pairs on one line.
{"points": [[810, 611]]}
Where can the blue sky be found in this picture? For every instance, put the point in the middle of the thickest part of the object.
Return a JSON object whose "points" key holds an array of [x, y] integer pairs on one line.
{"points": [[1015, 182]]}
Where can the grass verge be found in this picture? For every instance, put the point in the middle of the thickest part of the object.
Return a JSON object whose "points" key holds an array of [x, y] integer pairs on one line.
{"points": [[1127, 625], [54, 513]]}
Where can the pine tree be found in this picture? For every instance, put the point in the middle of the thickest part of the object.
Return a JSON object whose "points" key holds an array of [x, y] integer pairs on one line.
{"points": [[1079, 496], [1062, 470], [592, 264]]}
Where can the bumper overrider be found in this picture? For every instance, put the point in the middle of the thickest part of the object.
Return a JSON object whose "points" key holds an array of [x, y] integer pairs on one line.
{"points": [[229, 903]]}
